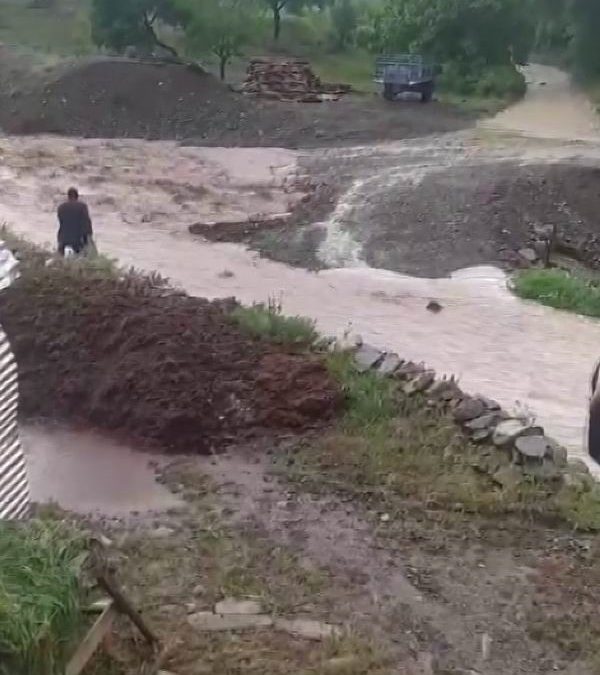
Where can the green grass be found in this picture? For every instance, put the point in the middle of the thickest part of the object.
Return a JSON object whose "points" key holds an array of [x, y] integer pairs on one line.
{"points": [[390, 447], [61, 28], [267, 322], [371, 400], [559, 289], [40, 596], [353, 67]]}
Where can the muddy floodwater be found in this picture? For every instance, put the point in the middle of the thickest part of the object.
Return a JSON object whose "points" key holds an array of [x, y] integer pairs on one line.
{"points": [[87, 473], [143, 195]]}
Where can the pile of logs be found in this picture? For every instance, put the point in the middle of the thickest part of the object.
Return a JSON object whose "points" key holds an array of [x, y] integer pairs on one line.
{"points": [[289, 80]]}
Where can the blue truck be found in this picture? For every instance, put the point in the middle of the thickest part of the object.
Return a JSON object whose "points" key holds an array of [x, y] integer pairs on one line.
{"points": [[400, 73]]}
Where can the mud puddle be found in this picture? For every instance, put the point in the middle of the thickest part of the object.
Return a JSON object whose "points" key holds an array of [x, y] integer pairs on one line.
{"points": [[89, 474]]}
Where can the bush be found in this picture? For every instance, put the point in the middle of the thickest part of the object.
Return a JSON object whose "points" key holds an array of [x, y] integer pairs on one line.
{"points": [[40, 597], [502, 82], [268, 322], [559, 289]]}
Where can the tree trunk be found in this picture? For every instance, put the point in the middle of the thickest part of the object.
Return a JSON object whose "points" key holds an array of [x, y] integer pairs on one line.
{"points": [[276, 23], [149, 26], [222, 64]]}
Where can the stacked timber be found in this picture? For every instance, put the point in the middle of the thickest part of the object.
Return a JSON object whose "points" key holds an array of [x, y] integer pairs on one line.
{"points": [[289, 80]]}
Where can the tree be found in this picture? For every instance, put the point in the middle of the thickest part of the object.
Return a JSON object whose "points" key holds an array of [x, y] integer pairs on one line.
{"points": [[276, 7], [471, 33], [585, 18], [344, 21], [119, 23], [221, 26]]}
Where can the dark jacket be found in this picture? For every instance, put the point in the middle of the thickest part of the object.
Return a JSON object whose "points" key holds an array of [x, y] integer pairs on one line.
{"points": [[75, 223]]}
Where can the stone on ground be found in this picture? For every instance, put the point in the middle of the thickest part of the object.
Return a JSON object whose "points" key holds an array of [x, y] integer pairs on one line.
{"points": [[207, 621], [390, 364], [484, 422], [419, 384], [468, 409], [233, 606], [533, 447], [307, 628], [506, 432], [367, 357], [528, 254]]}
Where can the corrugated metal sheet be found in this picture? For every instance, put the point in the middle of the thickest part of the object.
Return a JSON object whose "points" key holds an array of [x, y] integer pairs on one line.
{"points": [[14, 486]]}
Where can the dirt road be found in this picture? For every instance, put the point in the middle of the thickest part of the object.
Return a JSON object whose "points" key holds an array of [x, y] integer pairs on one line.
{"points": [[500, 346]]}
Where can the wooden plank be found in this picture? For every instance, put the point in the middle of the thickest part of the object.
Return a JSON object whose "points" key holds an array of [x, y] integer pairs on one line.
{"points": [[92, 640]]}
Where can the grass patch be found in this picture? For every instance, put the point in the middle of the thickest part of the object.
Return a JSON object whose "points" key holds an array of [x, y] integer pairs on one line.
{"points": [[371, 400], [559, 289], [268, 322], [40, 597], [353, 67], [56, 26], [395, 449]]}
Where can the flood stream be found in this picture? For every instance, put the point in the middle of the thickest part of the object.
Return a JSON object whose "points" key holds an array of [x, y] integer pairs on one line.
{"points": [[143, 195]]}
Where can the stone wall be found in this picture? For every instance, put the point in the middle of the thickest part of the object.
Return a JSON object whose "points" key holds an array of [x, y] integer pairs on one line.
{"points": [[513, 448]]}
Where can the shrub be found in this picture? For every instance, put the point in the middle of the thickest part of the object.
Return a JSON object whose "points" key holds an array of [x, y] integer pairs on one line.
{"points": [[40, 596], [559, 289], [268, 322]]}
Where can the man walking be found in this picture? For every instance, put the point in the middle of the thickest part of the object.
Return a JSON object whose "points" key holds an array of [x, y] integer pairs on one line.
{"points": [[75, 224]]}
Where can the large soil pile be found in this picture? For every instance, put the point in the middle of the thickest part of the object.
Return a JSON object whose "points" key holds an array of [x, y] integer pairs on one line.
{"points": [[481, 214], [119, 98], [131, 356]]}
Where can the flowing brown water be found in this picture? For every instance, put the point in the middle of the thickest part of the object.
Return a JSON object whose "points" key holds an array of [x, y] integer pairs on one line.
{"points": [[496, 344]]}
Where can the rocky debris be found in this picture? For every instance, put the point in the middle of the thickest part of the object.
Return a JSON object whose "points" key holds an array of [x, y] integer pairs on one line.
{"points": [[489, 403], [207, 621], [468, 409], [486, 422], [289, 80], [446, 391], [558, 453], [390, 364], [533, 447], [237, 230], [434, 306], [367, 357], [529, 255], [347, 343], [419, 383], [409, 370], [481, 435], [233, 606], [511, 449], [307, 628], [509, 430]]}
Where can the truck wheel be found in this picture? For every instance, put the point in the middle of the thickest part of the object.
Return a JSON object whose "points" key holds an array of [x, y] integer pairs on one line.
{"points": [[426, 95]]}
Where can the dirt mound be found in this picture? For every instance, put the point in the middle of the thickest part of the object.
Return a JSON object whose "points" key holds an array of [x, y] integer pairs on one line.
{"points": [[132, 356], [481, 214], [120, 98]]}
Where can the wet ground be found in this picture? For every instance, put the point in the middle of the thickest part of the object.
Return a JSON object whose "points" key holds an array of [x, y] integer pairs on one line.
{"points": [[496, 344], [90, 474]]}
